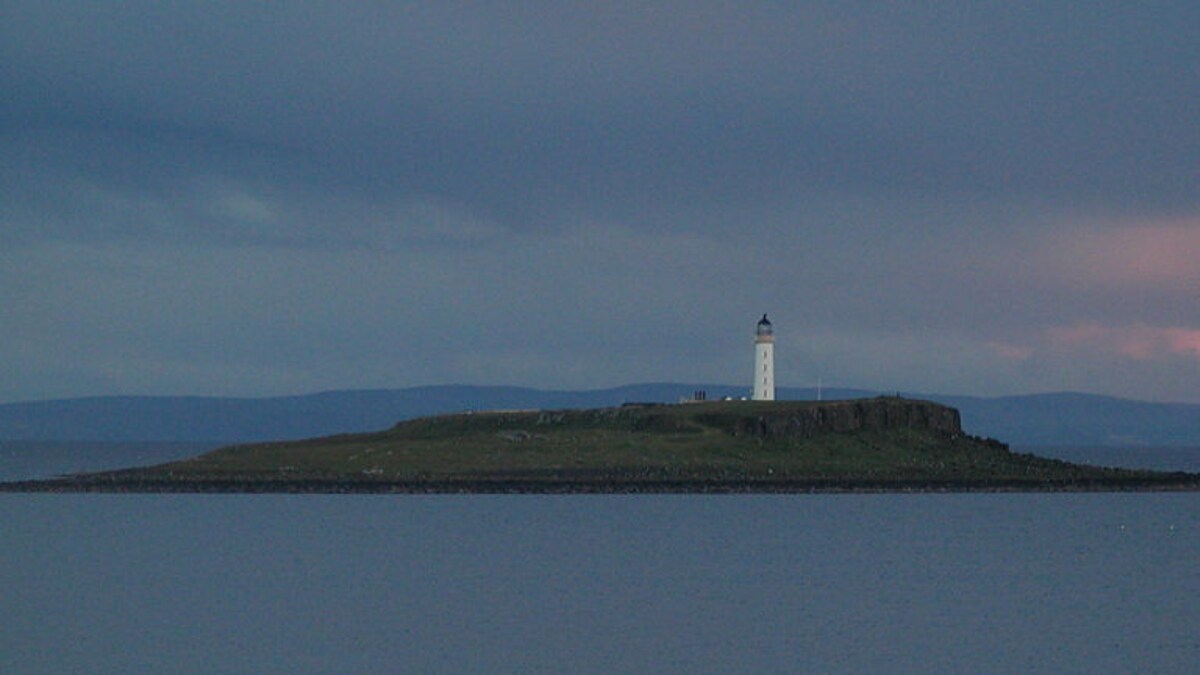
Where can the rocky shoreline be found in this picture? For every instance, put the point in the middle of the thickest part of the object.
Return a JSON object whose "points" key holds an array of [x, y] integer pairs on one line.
{"points": [[1175, 482]]}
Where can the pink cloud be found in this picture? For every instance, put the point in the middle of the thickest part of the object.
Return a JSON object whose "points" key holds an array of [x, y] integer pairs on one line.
{"points": [[1138, 341], [1184, 341], [1154, 254]]}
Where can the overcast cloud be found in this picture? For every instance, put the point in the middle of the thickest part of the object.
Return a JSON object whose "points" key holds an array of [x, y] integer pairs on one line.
{"points": [[254, 199]]}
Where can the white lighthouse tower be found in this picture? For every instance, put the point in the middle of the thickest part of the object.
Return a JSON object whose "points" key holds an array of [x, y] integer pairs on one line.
{"points": [[764, 361]]}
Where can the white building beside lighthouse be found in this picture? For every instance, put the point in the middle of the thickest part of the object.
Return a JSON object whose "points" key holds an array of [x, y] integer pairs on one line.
{"points": [[764, 361]]}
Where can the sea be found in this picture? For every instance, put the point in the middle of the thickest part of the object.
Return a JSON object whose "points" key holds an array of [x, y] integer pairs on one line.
{"points": [[849, 583]]}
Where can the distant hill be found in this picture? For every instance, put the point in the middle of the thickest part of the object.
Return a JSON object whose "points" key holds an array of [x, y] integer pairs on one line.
{"points": [[1043, 419]]}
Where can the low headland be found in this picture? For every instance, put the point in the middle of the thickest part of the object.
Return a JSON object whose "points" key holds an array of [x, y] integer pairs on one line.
{"points": [[886, 444]]}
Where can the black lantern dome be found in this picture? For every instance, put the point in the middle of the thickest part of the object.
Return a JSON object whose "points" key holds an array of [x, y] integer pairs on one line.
{"points": [[764, 327]]}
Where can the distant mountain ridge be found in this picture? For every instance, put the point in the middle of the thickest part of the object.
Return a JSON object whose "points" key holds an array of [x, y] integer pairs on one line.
{"points": [[1040, 419]]}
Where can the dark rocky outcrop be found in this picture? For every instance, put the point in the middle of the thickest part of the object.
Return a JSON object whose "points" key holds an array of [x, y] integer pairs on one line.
{"points": [[762, 419], [838, 417]]}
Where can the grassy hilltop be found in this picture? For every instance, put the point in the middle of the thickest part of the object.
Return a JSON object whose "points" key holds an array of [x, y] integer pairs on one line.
{"points": [[870, 444]]}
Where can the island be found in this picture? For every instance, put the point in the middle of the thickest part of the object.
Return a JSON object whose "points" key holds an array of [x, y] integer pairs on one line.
{"points": [[885, 444]]}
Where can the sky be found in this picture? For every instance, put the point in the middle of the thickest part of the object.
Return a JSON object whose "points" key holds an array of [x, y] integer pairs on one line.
{"points": [[256, 199]]}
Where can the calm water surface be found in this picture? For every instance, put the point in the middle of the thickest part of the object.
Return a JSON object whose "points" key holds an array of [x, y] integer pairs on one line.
{"points": [[1156, 459], [26, 460], [831, 583]]}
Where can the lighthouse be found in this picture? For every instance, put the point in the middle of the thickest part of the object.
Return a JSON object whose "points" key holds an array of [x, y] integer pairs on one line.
{"points": [[764, 361]]}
